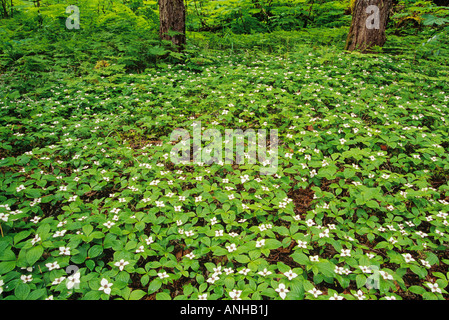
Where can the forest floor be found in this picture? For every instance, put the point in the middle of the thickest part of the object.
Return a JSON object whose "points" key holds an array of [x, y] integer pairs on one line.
{"points": [[355, 207]]}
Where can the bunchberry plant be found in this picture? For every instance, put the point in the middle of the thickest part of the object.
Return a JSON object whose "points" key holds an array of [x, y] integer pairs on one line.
{"points": [[92, 205]]}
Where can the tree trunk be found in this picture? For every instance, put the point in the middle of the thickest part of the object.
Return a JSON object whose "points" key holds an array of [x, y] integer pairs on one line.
{"points": [[369, 21], [172, 16]]}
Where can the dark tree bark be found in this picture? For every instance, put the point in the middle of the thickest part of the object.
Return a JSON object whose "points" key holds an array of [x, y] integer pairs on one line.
{"points": [[172, 15], [369, 21]]}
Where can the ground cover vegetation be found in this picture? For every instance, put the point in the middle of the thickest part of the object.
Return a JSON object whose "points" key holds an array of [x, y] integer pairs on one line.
{"points": [[92, 207]]}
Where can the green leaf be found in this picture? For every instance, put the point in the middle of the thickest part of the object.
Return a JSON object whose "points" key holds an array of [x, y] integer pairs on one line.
{"points": [[145, 279], [300, 258], [33, 254], [92, 295], [372, 204], [242, 258], [123, 276], [21, 235], [429, 19], [7, 255], [360, 280], [97, 235], [154, 285], [254, 254], [348, 173], [90, 264], [206, 241], [421, 272], [429, 296], [140, 226], [109, 241], [21, 291], [431, 258], [229, 282], [163, 296], [417, 289], [7, 266], [187, 289], [137, 294], [87, 229], [33, 193], [130, 245], [80, 257], [442, 283], [326, 269], [272, 244], [37, 294], [43, 230], [95, 251], [220, 252]]}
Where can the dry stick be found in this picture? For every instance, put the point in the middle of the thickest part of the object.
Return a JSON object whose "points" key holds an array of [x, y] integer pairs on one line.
{"points": [[1, 230]]}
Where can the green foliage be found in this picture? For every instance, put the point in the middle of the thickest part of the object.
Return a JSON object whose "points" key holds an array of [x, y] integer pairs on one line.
{"points": [[35, 47], [89, 196], [247, 16], [409, 16]]}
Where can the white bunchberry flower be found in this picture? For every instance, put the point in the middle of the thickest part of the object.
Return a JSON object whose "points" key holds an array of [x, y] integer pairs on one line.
{"points": [[35, 240], [190, 255], [365, 269], [109, 224], [58, 281], [433, 287], [149, 240], [235, 294], [52, 265], [163, 275], [290, 274], [244, 271], [264, 272], [64, 251], [27, 278], [202, 296], [408, 257], [73, 280], [105, 286], [336, 297], [140, 249], [260, 243], [121, 264], [359, 295], [315, 292], [218, 233], [302, 244]]}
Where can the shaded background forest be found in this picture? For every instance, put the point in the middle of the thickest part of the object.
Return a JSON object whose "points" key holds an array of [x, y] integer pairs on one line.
{"points": [[123, 35]]}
